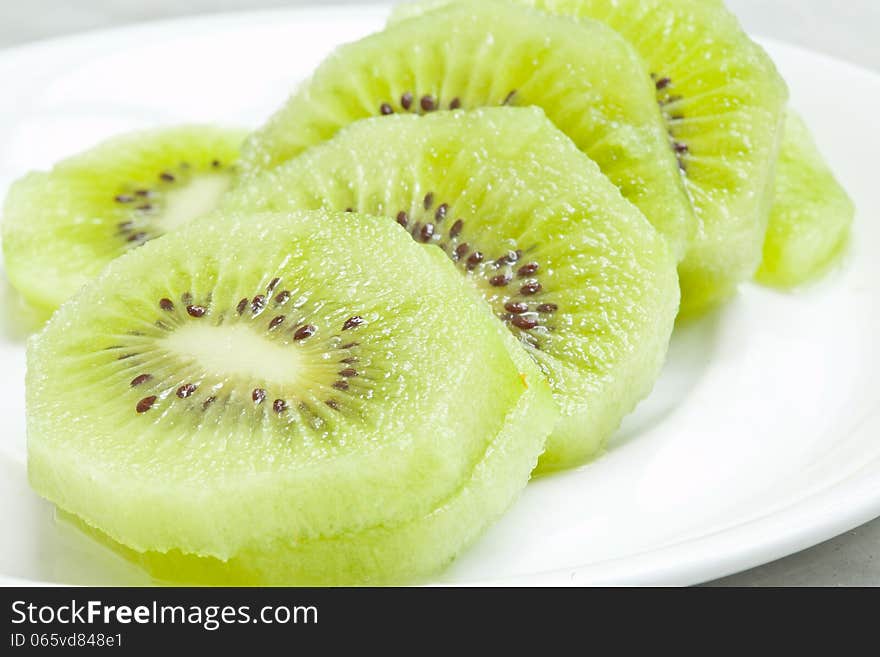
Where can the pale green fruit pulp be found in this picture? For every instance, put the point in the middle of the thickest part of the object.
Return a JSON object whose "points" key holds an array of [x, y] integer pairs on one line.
{"points": [[307, 434], [60, 228], [587, 79], [572, 269], [812, 214], [723, 102]]}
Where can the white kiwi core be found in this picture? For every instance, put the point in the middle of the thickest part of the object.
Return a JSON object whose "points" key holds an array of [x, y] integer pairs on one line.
{"points": [[199, 196], [236, 351]]}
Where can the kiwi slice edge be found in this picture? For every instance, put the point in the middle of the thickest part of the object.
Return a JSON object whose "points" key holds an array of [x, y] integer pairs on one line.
{"points": [[388, 481]]}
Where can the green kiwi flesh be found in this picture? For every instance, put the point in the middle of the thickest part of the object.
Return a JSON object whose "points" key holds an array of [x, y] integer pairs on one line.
{"points": [[571, 268], [283, 399], [60, 228], [586, 78], [723, 102], [812, 214]]}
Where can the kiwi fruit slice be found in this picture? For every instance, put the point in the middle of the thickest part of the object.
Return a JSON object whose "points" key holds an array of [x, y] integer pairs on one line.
{"points": [[61, 227], [296, 398], [723, 102], [588, 80], [811, 216], [571, 268]]}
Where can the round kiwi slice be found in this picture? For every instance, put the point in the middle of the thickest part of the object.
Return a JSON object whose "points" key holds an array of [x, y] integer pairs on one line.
{"points": [[811, 216], [60, 228], [573, 270], [298, 398], [588, 80], [723, 102]]}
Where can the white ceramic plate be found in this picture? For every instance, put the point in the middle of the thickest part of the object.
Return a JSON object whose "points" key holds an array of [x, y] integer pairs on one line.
{"points": [[761, 438]]}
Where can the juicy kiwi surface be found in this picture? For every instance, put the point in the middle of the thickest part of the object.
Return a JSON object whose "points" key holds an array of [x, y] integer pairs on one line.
{"points": [[588, 80], [723, 102], [283, 399], [571, 268], [811, 216], [61, 227]]}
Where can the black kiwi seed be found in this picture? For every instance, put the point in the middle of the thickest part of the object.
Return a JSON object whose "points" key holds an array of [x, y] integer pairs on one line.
{"points": [[141, 378], [216, 164], [332, 403], [304, 332], [210, 400], [341, 385], [145, 404], [276, 322], [166, 304], [515, 307], [258, 395], [124, 198], [258, 304], [548, 308], [455, 104], [455, 231], [272, 285], [350, 345], [474, 259], [462, 249], [500, 280], [527, 269], [353, 322], [664, 99], [186, 390], [279, 406], [440, 215], [241, 306], [348, 372], [386, 109], [402, 218], [280, 298], [196, 311], [427, 232], [349, 361], [429, 200], [524, 322], [509, 98], [428, 103], [167, 177], [509, 258], [136, 237], [530, 288], [406, 100], [143, 193]]}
